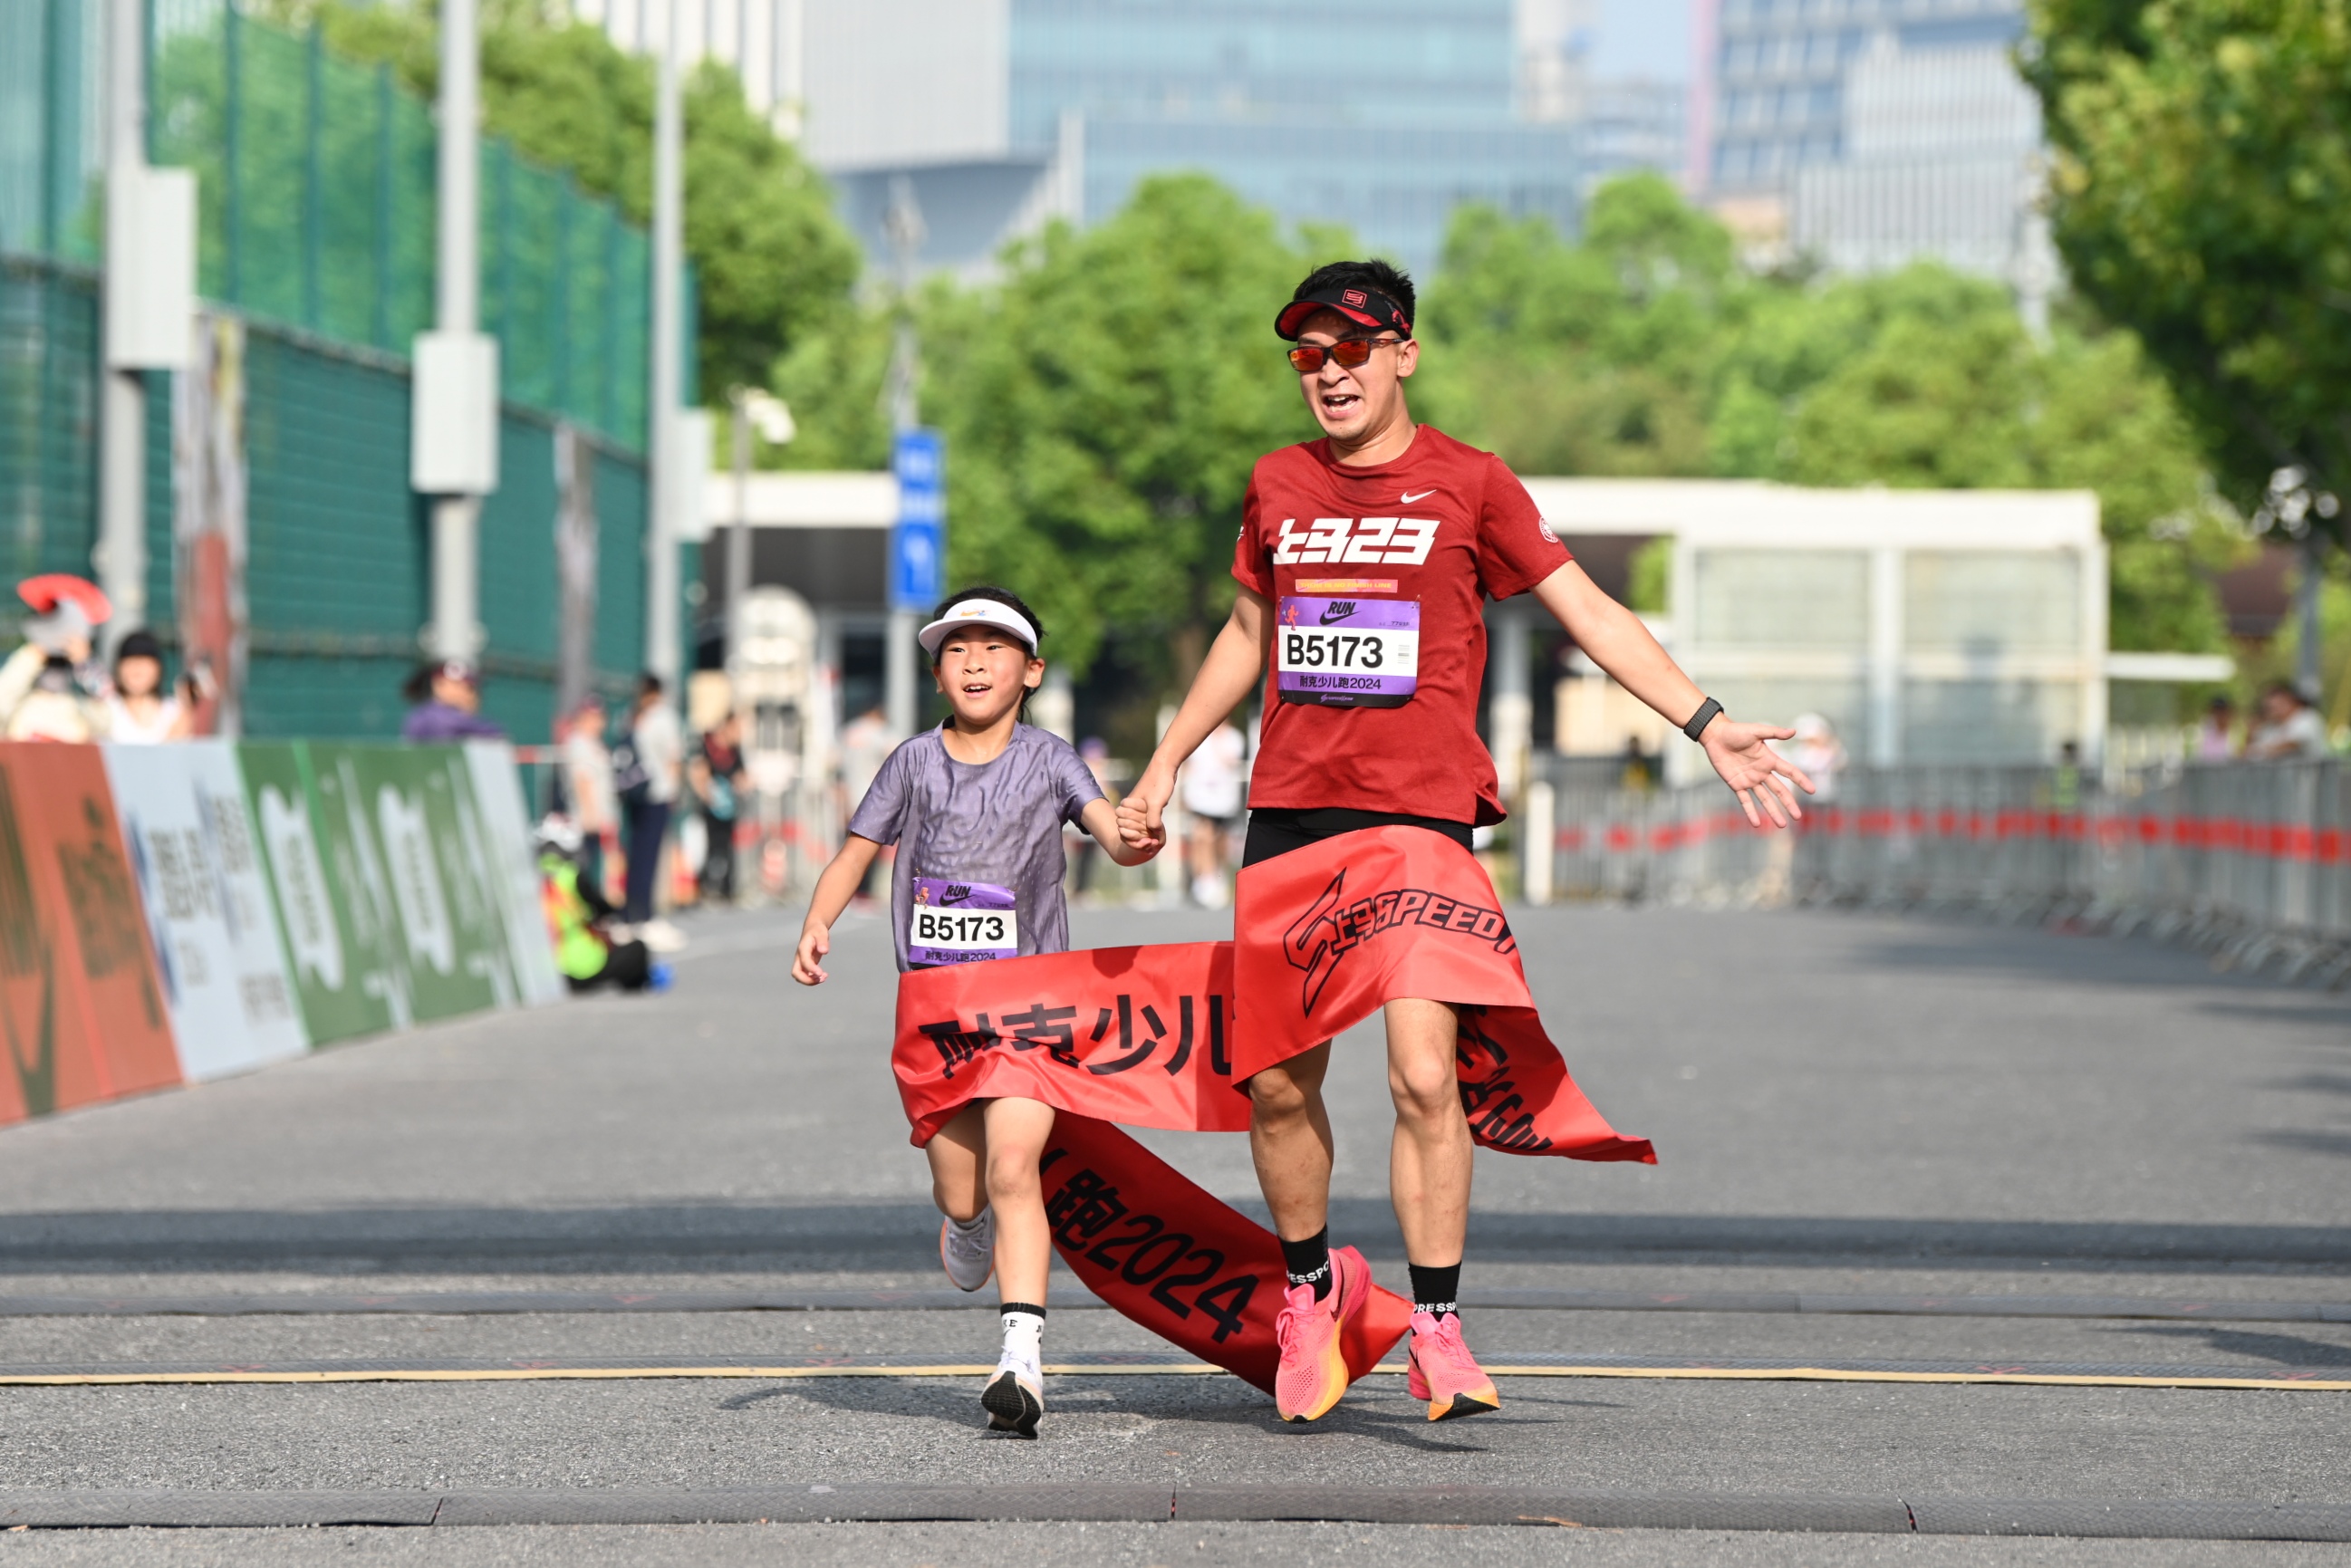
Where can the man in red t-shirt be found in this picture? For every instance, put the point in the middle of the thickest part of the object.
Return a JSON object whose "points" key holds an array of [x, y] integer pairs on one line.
{"points": [[1365, 562]]}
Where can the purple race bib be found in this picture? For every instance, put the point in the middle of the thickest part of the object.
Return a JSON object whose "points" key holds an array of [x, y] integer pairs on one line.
{"points": [[1347, 653], [961, 923]]}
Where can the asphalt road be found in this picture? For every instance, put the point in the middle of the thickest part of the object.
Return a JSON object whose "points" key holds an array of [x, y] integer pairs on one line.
{"points": [[1841, 1103]]}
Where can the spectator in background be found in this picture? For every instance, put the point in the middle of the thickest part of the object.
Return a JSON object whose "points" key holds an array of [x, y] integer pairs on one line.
{"points": [[48, 689], [587, 775], [2289, 727], [1816, 750], [140, 711], [2216, 736], [589, 950], [1211, 792], [1638, 774], [447, 698], [715, 775], [649, 790], [865, 743]]}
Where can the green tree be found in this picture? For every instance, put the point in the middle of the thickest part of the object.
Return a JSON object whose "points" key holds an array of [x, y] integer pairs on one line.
{"points": [[773, 262], [1104, 403], [2202, 169], [1641, 347], [1584, 357]]}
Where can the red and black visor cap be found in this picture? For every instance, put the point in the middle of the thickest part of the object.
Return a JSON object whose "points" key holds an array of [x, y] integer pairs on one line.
{"points": [[1355, 302]]}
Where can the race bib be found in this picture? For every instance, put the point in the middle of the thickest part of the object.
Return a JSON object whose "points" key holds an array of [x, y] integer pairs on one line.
{"points": [[961, 923], [1347, 653]]}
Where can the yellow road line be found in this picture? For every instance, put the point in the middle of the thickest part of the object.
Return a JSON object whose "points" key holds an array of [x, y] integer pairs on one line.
{"points": [[1848, 1375], [1174, 1369]]}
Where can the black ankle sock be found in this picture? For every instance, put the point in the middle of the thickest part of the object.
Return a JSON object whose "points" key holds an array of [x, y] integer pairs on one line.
{"points": [[1435, 1291], [1308, 1263]]}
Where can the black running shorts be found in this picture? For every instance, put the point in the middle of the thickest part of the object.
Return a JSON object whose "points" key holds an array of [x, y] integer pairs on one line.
{"points": [[1276, 830]]}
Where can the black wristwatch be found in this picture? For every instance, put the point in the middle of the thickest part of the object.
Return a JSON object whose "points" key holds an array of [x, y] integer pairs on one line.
{"points": [[1700, 719]]}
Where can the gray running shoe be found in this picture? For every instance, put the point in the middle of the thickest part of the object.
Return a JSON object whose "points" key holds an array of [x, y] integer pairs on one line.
{"points": [[968, 1254]]}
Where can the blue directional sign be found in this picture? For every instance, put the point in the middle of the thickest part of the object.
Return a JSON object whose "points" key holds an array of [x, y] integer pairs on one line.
{"points": [[918, 540]]}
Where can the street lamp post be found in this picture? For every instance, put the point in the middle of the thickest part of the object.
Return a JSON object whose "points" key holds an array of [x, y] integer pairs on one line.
{"points": [[753, 409], [904, 224], [668, 356]]}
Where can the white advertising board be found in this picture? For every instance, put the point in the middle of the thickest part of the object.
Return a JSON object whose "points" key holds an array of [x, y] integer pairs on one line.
{"points": [[192, 846], [509, 864]]}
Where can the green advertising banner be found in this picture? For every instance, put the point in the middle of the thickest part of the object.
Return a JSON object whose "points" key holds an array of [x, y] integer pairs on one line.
{"points": [[337, 947], [417, 802]]}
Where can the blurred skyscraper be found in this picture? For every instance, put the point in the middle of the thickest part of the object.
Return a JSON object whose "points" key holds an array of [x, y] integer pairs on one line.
{"points": [[1869, 133], [760, 40], [1384, 115], [1000, 115]]}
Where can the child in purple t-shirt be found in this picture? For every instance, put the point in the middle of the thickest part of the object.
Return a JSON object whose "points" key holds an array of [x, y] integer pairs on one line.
{"points": [[976, 808]]}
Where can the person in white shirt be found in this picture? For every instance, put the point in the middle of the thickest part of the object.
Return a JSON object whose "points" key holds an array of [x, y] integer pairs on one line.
{"points": [[648, 795], [588, 788], [2290, 728], [1211, 794], [142, 711]]}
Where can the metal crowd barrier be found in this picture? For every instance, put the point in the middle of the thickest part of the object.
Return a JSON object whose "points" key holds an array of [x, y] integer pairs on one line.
{"points": [[2252, 858]]}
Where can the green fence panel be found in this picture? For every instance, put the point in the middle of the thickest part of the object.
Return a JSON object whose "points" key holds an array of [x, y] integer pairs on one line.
{"points": [[52, 142], [620, 496], [336, 941], [48, 420], [315, 192], [336, 575], [518, 597]]}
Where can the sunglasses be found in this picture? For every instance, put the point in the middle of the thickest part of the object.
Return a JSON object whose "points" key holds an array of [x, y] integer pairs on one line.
{"points": [[1347, 353]]}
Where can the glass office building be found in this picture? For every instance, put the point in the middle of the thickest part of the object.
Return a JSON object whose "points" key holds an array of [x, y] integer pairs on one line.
{"points": [[1382, 115], [1778, 94]]}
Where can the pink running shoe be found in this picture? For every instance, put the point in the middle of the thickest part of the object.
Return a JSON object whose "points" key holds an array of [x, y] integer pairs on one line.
{"points": [[1314, 1371], [1444, 1373]]}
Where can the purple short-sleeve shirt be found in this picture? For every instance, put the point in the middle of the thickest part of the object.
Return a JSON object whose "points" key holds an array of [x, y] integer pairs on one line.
{"points": [[995, 822]]}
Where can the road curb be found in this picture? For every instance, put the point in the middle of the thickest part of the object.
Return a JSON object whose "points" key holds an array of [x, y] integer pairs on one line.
{"points": [[2177, 1519]]}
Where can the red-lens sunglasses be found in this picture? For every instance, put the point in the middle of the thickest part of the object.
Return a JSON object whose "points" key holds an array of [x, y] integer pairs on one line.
{"points": [[1349, 352]]}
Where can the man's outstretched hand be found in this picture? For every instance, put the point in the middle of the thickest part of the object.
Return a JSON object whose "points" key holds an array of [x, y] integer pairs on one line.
{"points": [[1139, 814], [1758, 775]]}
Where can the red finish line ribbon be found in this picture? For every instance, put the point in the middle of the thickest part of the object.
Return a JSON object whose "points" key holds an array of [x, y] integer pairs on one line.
{"points": [[1158, 1037], [1330, 933]]}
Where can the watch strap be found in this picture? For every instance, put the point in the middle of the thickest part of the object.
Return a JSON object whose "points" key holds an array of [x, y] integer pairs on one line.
{"points": [[1700, 719]]}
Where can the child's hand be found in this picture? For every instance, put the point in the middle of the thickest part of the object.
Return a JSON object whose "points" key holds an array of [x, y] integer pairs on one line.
{"points": [[1143, 840], [808, 967], [1139, 814]]}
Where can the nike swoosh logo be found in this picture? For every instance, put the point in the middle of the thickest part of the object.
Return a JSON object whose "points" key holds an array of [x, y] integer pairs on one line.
{"points": [[1423, 495]]}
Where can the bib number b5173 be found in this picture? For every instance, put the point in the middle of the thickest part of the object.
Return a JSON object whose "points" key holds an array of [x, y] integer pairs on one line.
{"points": [[961, 922], [1347, 653]]}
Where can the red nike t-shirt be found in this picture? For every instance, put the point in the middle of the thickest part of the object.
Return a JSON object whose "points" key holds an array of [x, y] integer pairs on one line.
{"points": [[1378, 578]]}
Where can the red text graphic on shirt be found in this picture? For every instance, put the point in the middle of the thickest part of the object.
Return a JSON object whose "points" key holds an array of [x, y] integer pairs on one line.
{"points": [[1445, 525]]}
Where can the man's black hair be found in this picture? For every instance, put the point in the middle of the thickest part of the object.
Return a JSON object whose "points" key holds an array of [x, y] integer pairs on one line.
{"points": [[1389, 279], [1005, 597]]}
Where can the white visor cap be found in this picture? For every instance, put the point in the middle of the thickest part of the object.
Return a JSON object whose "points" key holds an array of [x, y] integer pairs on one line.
{"points": [[978, 612]]}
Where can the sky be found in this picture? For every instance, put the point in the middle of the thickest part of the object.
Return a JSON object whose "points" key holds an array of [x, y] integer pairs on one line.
{"points": [[1643, 38]]}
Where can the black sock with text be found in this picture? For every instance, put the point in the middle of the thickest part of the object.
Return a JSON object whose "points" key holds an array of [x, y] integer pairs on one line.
{"points": [[1308, 1263], [1436, 1292]]}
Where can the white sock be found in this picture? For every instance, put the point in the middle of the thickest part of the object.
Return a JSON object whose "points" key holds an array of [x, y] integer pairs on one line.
{"points": [[1024, 1338], [966, 1227]]}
